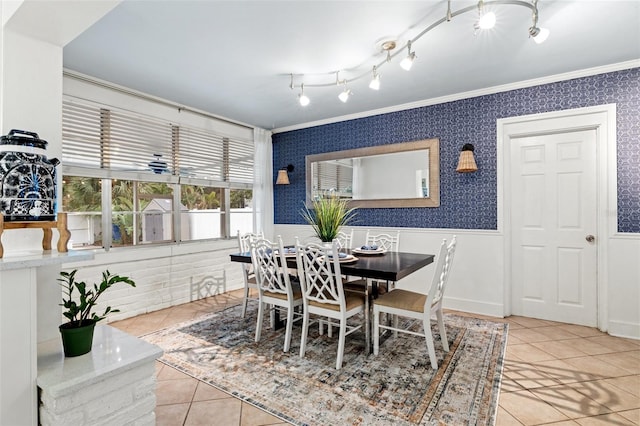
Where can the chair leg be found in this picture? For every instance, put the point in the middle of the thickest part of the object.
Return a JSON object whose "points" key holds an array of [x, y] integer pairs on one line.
{"points": [[260, 318], [341, 338], [329, 328], [443, 331], [244, 302], [287, 336], [305, 331], [376, 331], [367, 323], [394, 319], [426, 322]]}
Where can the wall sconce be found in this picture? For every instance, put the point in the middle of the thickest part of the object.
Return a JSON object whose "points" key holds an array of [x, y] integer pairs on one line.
{"points": [[466, 162], [283, 175]]}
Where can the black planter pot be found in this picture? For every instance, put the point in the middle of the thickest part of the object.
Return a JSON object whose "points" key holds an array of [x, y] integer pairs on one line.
{"points": [[76, 340]]}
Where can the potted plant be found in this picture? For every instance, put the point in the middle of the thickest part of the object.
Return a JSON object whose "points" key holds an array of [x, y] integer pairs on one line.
{"points": [[77, 334], [327, 215]]}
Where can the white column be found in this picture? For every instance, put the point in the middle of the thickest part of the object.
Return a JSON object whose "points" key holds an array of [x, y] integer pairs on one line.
{"points": [[32, 37]]}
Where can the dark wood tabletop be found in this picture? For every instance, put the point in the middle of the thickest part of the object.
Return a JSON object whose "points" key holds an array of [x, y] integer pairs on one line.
{"points": [[390, 266]]}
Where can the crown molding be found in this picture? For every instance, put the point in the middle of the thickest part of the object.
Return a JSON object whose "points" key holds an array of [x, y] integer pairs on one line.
{"points": [[470, 94]]}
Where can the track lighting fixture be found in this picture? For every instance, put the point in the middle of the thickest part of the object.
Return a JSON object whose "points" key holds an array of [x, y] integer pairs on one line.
{"points": [[407, 62], [375, 81], [302, 98], [486, 20], [539, 35]]}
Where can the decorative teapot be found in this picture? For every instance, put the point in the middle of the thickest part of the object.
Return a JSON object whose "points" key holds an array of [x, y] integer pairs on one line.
{"points": [[27, 178]]}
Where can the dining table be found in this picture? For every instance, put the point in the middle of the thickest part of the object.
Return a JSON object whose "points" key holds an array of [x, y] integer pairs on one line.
{"points": [[389, 266]]}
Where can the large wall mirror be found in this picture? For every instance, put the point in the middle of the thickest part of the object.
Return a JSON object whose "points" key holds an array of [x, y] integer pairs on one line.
{"points": [[397, 175]]}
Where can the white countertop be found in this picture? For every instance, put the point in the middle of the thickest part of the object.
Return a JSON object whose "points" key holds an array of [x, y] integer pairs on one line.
{"points": [[113, 352], [35, 258]]}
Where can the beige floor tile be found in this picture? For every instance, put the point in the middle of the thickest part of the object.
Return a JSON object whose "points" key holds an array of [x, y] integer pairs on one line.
{"points": [[631, 415], [629, 384], [605, 393], [570, 402], [175, 391], [529, 409], [532, 322], [625, 360], [563, 423], [556, 333], [596, 368], [612, 419], [615, 343], [560, 349], [205, 392], [506, 419], [528, 335], [529, 353], [170, 373], [252, 416], [172, 414], [562, 372], [590, 347], [529, 377], [582, 331], [509, 385], [513, 340], [220, 412]]}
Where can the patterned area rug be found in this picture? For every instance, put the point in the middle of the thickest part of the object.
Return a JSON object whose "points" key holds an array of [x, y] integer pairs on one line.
{"points": [[398, 387]]}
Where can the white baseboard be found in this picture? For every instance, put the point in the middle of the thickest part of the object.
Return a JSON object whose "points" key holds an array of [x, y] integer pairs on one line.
{"points": [[624, 329], [474, 307]]}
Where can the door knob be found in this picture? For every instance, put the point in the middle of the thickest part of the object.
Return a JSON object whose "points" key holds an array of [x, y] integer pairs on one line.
{"points": [[590, 238]]}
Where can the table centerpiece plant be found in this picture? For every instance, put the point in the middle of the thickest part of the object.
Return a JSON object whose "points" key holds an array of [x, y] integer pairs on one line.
{"points": [[327, 215], [77, 333]]}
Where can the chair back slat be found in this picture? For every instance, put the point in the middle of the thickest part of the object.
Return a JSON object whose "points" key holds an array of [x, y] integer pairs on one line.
{"points": [[271, 266], [385, 241], [441, 275], [320, 274], [345, 239]]}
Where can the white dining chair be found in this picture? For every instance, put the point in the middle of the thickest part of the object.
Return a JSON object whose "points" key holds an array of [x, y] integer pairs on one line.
{"points": [[386, 241], [405, 303], [324, 296], [345, 239], [275, 289], [248, 273]]}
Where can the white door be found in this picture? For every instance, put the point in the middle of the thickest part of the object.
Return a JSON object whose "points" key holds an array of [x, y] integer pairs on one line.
{"points": [[553, 226]]}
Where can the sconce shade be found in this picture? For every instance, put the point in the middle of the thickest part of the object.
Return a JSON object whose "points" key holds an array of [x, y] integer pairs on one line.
{"points": [[283, 175], [467, 162]]}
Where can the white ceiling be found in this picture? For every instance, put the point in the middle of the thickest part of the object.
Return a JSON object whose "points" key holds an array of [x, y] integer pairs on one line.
{"points": [[233, 58]]}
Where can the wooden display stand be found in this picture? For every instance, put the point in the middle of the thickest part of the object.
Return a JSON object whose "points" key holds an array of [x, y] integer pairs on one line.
{"points": [[60, 225]]}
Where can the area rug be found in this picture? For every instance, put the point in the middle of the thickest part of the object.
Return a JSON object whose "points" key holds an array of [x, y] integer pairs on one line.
{"points": [[397, 387]]}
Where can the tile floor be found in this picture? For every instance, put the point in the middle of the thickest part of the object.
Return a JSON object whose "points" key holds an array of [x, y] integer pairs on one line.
{"points": [[555, 373]]}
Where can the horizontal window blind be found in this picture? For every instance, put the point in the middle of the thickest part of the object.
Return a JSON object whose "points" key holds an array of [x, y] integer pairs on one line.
{"points": [[95, 137], [333, 177]]}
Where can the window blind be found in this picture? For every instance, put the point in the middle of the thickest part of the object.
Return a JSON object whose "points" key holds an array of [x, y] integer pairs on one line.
{"points": [[95, 137]]}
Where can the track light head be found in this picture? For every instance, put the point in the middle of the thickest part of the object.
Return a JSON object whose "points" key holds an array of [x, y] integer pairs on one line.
{"points": [[375, 81], [302, 98], [345, 94], [407, 62], [539, 35]]}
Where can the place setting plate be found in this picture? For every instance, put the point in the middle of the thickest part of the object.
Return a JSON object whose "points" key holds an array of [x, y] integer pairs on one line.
{"points": [[368, 251], [344, 258]]}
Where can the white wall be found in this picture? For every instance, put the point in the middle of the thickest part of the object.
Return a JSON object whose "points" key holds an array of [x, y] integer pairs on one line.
{"points": [[477, 282]]}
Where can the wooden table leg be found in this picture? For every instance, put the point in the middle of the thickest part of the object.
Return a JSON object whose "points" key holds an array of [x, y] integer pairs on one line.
{"points": [[64, 232]]}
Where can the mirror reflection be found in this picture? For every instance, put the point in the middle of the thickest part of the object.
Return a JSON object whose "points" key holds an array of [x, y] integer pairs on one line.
{"points": [[397, 175]]}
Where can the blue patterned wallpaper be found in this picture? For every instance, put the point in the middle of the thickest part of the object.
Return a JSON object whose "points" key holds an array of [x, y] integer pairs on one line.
{"points": [[467, 201]]}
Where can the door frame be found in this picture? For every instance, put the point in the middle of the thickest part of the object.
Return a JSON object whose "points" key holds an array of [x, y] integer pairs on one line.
{"points": [[602, 119]]}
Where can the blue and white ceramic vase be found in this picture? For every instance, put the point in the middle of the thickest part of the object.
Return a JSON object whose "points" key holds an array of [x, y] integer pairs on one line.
{"points": [[27, 178]]}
